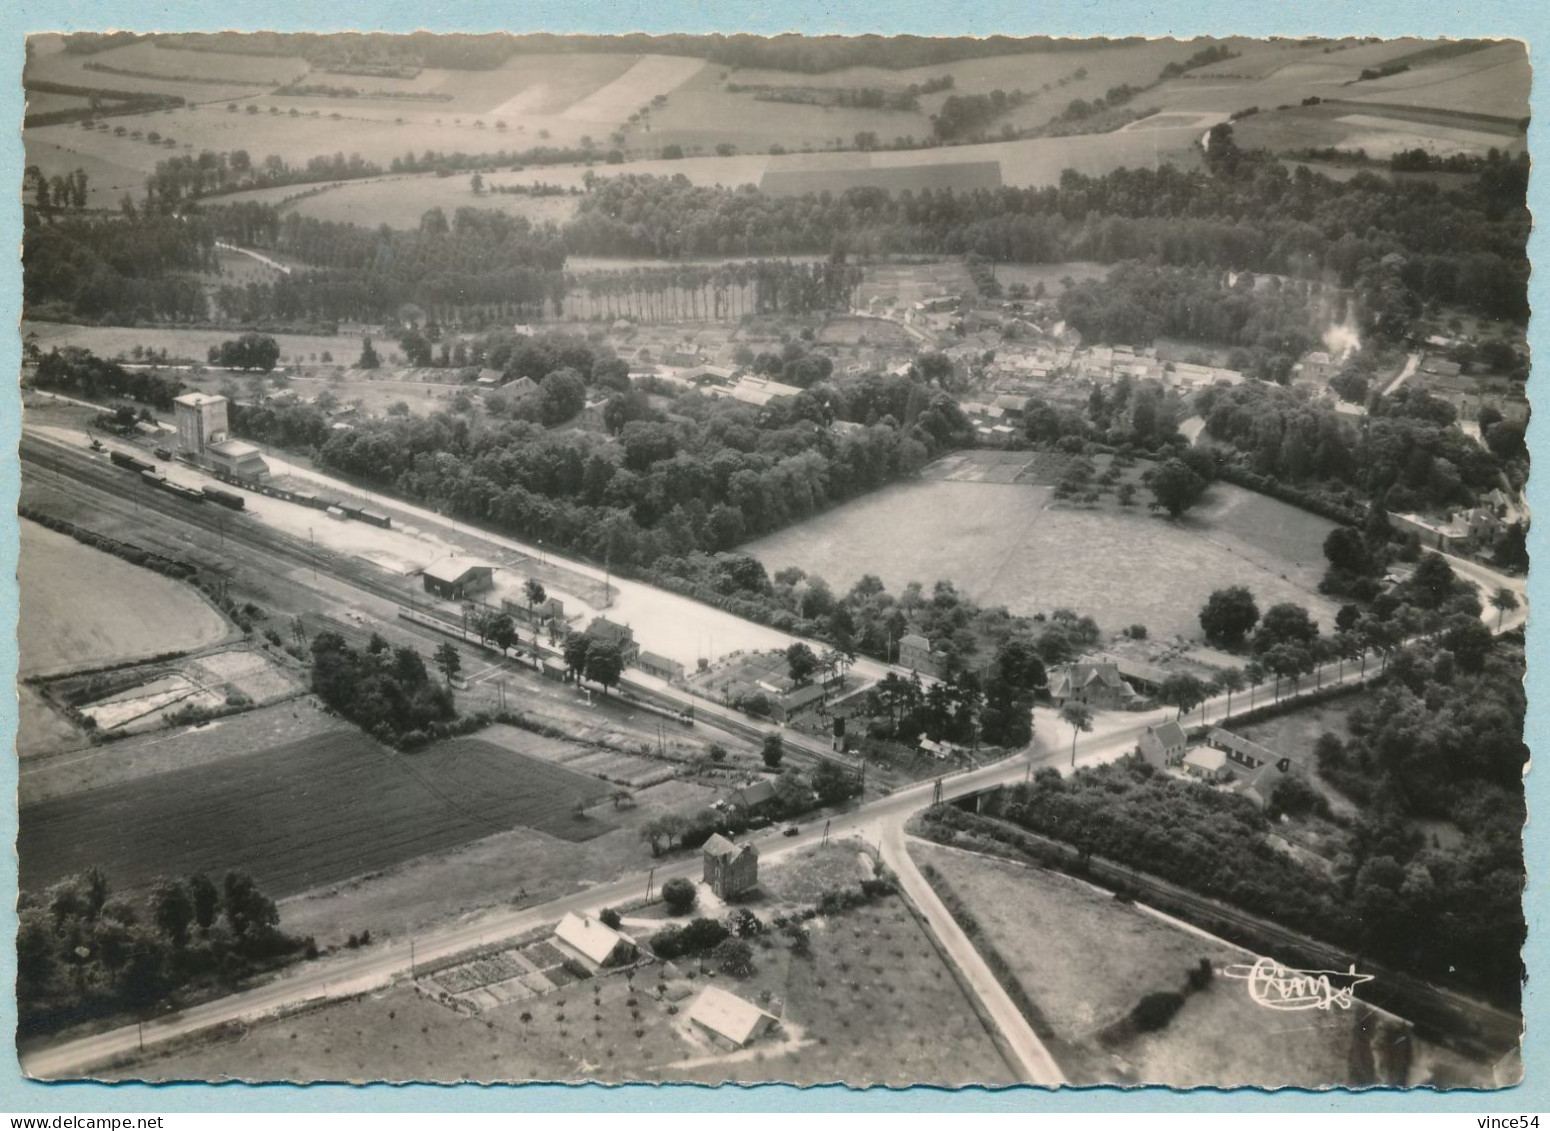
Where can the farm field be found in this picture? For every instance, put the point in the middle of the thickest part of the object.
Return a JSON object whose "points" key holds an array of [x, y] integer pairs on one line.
{"points": [[39, 728], [400, 201], [111, 341], [1490, 81], [1049, 274], [194, 75], [872, 973], [1003, 544], [87, 608], [106, 181], [310, 813], [1380, 129], [1086, 959]]}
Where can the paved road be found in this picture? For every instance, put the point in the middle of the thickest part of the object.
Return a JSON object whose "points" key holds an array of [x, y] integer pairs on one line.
{"points": [[1411, 362], [1032, 1058]]}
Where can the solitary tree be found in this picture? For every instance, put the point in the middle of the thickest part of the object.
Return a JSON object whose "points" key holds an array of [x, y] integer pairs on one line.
{"points": [[369, 358], [604, 665], [1228, 616], [801, 662], [773, 750], [1183, 691], [449, 661], [679, 894], [1230, 681], [207, 901], [174, 910], [503, 631], [533, 590], [1503, 601], [576, 645], [1080, 720], [1176, 488]]}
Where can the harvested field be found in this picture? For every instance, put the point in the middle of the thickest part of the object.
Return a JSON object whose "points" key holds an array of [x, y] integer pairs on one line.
{"points": [[87, 608], [111, 341], [311, 813]]}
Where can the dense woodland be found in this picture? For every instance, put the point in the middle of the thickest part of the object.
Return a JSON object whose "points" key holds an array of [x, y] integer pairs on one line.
{"points": [[84, 953]]}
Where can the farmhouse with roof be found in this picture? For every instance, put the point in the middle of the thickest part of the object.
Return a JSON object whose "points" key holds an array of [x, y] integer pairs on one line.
{"points": [[1093, 683], [727, 1019], [621, 636], [1207, 764], [731, 870], [915, 653], [1163, 745], [593, 940], [750, 798]]}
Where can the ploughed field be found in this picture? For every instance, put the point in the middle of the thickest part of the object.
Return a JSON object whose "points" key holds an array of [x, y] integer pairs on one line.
{"points": [[308, 813]]}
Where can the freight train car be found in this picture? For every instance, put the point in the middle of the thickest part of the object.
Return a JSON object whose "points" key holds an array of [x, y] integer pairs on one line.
{"points": [[375, 519], [125, 460], [226, 498]]}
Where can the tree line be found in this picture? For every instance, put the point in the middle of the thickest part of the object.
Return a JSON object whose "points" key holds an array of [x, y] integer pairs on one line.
{"points": [[83, 952]]}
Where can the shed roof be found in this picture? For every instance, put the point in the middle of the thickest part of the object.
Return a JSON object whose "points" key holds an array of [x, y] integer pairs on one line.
{"points": [[591, 937], [1205, 758], [234, 449], [451, 570], [1169, 733], [728, 1015]]}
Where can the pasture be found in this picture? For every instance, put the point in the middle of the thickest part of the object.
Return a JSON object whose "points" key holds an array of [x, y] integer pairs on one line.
{"points": [[1381, 129], [1086, 960], [1004, 544], [314, 812], [87, 608]]}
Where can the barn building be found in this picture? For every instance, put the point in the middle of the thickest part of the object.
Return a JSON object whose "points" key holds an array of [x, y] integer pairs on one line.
{"points": [[728, 1019], [455, 578]]}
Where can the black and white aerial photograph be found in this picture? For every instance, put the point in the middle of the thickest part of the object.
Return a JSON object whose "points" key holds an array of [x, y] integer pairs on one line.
{"points": [[696, 558]]}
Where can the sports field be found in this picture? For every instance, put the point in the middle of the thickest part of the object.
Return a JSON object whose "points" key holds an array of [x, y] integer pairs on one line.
{"points": [[313, 812], [1002, 543], [82, 607]]}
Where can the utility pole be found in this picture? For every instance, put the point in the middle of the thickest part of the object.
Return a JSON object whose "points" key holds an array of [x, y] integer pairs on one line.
{"points": [[825, 839], [313, 542], [411, 959], [650, 886]]}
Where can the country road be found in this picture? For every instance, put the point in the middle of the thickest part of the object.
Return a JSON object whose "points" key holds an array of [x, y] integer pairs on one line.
{"points": [[1033, 1059]]}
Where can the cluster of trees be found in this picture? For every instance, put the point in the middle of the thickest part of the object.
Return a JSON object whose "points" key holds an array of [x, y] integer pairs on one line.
{"points": [[1139, 302], [80, 373], [382, 689], [65, 192], [250, 351], [698, 292], [182, 179], [1216, 53], [965, 115], [115, 270], [1407, 457], [721, 472], [864, 97], [485, 260], [82, 952]]}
